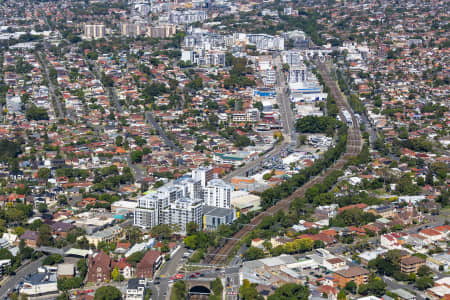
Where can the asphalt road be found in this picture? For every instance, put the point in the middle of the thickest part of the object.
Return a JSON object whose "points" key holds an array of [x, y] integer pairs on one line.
{"points": [[287, 120], [161, 291], [287, 115], [111, 90], [150, 119], [20, 275], [392, 285], [51, 87]]}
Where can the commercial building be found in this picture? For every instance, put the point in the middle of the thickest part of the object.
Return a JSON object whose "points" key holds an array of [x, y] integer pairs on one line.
{"points": [[439, 262], [272, 271], [213, 217], [357, 274], [43, 283], [252, 115], [66, 270]]}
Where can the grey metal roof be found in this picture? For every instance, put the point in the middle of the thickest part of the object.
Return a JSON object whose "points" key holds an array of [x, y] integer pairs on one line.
{"points": [[216, 211]]}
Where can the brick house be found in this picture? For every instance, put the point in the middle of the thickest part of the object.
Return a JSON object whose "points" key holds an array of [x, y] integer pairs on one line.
{"points": [[61, 229], [99, 267], [411, 264], [30, 238], [149, 264], [357, 274]]}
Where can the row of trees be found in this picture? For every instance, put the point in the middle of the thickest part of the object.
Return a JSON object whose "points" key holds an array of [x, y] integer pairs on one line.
{"points": [[314, 124], [289, 291], [271, 196], [353, 216], [389, 265]]}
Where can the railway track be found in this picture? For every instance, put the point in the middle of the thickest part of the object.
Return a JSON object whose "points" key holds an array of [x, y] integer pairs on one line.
{"points": [[353, 147]]}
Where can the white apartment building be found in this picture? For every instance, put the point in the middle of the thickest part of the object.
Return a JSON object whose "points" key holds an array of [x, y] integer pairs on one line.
{"points": [[136, 289], [218, 194], [132, 30], [297, 73], [94, 31], [204, 174], [187, 16], [161, 31], [251, 115], [177, 203], [184, 211]]}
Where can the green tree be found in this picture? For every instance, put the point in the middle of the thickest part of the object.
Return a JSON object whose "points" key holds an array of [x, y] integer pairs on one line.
{"points": [[424, 271], [351, 287], [45, 235], [36, 113], [217, 287], [191, 228], [136, 257], [42, 207], [423, 283], [43, 173], [136, 156], [162, 231], [115, 274], [253, 253], [248, 291], [290, 291], [179, 290], [107, 293]]}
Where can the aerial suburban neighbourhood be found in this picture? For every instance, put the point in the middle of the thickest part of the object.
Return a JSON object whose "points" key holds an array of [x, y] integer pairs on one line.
{"points": [[225, 150]]}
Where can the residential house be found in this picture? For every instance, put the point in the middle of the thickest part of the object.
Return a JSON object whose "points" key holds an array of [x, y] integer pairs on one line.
{"points": [[61, 228], [403, 294], [392, 241], [125, 269], [431, 235], [334, 264], [149, 264], [30, 238], [439, 262], [136, 289]]}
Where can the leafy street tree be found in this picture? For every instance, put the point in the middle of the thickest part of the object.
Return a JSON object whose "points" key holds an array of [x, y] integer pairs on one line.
{"points": [[290, 291], [351, 287], [45, 235], [162, 231], [43, 173], [108, 293], [248, 291], [253, 253]]}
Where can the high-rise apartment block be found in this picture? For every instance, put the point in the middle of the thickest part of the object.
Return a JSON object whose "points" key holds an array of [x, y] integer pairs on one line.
{"points": [[94, 31]]}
